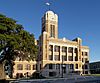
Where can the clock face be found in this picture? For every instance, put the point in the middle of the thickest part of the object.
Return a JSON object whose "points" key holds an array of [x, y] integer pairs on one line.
{"points": [[51, 18]]}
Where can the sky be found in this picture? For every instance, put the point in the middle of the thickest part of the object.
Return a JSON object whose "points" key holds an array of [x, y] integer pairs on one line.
{"points": [[77, 18]]}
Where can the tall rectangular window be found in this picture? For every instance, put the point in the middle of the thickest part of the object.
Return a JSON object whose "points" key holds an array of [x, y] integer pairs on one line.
{"points": [[71, 66], [86, 53], [52, 31], [86, 66], [86, 60], [70, 58], [50, 57], [76, 58], [57, 66], [75, 51], [82, 59], [70, 50], [57, 48], [34, 67], [64, 57], [76, 66], [50, 47], [28, 67], [64, 49], [50, 66], [57, 57], [19, 67]]}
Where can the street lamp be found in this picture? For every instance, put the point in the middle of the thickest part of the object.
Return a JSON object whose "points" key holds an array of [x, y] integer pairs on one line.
{"points": [[62, 67]]}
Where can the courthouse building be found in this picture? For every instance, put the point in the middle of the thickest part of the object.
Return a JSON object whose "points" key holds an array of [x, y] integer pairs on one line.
{"points": [[60, 57], [56, 57]]}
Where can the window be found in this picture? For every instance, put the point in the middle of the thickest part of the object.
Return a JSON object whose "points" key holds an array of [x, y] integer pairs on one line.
{"points": [[52, 74], [86, 53], [75, 50], [86, 72], [57, 66], [50, 66], [50, 57], [86, 66], [64, 49], [70, 58], [71, 66], [28, 67], [70, 50], [19, 67], [57, 57], [64, 58], [52, 30], [57, 48], [86, 60], [76, 66], [82, 66], [76, 58], [34, 67], [82, 59], [50, 47], [82, 53]]}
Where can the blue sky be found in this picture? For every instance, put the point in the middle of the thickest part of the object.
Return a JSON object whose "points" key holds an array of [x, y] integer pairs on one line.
{"points": [[77, 18]]}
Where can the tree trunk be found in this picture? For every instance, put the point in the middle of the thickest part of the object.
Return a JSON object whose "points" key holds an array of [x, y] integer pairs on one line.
{"points": [[2, 71]]}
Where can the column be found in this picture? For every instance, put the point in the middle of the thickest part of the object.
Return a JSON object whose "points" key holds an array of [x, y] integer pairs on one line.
{"points": [[67, 53], [61, 60], [60, 53], [53, 52], [73, 54], [24, 67]]}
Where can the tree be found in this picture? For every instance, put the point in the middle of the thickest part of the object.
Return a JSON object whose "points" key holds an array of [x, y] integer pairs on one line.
{"points": [[21, 42]]}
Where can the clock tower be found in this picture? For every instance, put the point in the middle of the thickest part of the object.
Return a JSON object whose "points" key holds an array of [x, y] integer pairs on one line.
{"points": [[50, 24]]}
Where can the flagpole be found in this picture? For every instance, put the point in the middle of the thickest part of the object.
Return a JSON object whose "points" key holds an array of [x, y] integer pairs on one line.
{"points": [[49, 7], [48, 4]]}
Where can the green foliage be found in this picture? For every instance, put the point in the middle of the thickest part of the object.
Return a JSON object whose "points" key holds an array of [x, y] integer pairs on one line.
{"points": [[20, 41]]}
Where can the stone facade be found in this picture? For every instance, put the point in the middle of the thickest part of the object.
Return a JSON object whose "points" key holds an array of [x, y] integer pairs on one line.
{"points": [[60, 57], [24, 68]]}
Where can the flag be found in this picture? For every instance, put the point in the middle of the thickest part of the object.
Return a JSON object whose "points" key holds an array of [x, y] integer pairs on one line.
{"points": [[47, 3]]}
